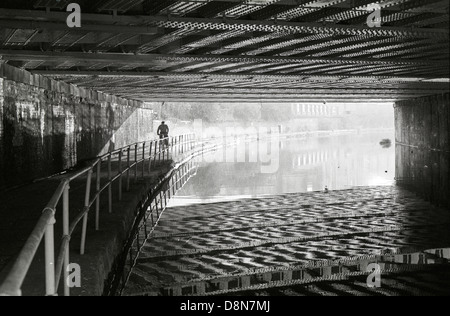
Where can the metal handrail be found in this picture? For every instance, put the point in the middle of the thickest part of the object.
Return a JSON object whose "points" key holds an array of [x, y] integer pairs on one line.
{"points": [[160, 194], [45, 226]]}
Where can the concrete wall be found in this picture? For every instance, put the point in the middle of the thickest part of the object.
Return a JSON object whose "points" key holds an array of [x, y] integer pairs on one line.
{"points": [[48, 126], [423, 138]]}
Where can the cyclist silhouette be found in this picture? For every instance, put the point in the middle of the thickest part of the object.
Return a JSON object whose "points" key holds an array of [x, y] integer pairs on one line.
{"points": [[163, 133]]}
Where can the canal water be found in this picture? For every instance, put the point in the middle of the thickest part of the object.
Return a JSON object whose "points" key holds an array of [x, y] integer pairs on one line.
{"points": [[295, 165], [300, 236]]}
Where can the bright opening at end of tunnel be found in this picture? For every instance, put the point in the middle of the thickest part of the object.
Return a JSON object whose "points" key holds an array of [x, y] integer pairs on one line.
{"points": [[300, 147]]}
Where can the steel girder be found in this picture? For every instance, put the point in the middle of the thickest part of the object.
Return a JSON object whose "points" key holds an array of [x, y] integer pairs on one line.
{"points": [[230, 76], [240, 49], [148, 58], [294, 28]]}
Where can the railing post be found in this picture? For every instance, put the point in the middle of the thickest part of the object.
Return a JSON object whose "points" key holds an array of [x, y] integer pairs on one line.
{"points": [[175, 144], [151, 216], [50, 277], [97, 201], [171, 186], [166, 140], [182, 177], [168, 148], [128, 168], [168, 190], [121, 175], [85, 218], [156, 152], [110, 184], [162, 201], [160, 141], [143, 160], [179, 144], [174, 147], [156, 207], [150, 158], [136, 163], [182, 144], [66, 232], [174, 153]]}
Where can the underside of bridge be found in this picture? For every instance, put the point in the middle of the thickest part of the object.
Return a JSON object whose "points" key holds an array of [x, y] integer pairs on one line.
{"points": [[268, 50], [233, 51]]}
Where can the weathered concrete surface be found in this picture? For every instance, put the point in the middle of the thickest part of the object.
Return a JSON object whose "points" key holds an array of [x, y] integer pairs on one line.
{"points": [[48, 126], [216, 241], [423, 147]]}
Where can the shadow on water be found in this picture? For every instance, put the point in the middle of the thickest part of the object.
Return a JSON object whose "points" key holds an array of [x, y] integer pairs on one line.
{"points": [[411, 273], [292, 237]]}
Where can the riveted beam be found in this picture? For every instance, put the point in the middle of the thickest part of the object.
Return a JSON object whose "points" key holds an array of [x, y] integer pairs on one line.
{"points": [[228, 25], [133, 59]]}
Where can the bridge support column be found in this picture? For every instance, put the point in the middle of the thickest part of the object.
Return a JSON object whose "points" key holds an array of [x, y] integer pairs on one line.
{"points": [[423, 157]]}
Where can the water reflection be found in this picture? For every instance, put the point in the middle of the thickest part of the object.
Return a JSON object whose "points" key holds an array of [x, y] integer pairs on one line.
{"points": [[305, 165]]}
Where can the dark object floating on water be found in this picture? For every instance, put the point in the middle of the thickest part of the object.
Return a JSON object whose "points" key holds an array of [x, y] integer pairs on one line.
{"points": [[386, 143]]}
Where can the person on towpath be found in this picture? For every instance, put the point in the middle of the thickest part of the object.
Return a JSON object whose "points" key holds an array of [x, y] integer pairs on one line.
{"points": [[163, 132]]}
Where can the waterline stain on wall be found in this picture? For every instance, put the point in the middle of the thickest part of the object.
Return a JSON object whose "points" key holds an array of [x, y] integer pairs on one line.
{"points": [[48, 126]]}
